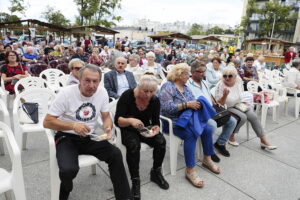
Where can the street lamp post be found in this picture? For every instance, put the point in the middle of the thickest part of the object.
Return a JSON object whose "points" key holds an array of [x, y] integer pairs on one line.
{"points": [[272, 30]]}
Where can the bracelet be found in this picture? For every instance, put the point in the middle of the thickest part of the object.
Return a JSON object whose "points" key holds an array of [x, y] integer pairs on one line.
{"points": [[186, 105], [182, 105]]}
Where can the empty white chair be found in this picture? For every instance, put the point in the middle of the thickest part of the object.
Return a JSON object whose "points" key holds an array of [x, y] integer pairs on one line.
{"points": [[63, 80], [52, 78], [43, 97], [29, 83], [84, 161], [12, 180]]}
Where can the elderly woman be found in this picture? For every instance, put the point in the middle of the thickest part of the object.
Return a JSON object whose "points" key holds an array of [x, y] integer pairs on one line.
{"points": [[260, 63], [12, 71], [105, 54], [175, 98], [229, 91], [95, 58], [58, 50], [292, 79], [153, 67], [134, 68], [29, 55], [74, 66], [137, 109], [249, 72], [214, 72]]}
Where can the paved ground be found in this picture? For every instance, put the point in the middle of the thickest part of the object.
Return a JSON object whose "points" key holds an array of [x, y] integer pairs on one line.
{"points": [[250, 172]]}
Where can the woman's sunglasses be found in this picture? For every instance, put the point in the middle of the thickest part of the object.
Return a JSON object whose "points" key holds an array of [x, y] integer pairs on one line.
{"points": [[229, 76]]}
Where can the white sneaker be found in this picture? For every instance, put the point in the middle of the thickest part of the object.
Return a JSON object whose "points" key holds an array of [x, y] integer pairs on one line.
{"points": [[235, 143]]}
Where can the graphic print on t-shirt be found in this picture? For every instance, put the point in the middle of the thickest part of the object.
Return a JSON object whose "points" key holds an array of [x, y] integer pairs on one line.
{"points": [[86, 112]]}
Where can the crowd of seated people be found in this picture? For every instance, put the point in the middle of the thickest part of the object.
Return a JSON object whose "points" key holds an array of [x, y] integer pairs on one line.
{"points": [[139, 80]]}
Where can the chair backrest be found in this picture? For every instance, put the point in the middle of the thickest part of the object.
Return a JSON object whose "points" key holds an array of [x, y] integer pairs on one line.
{"points": [[4, 112], [63, 80], [37, 68], [53, 63], [252, 86], [42, 96], [29, 83], [51, 76]]}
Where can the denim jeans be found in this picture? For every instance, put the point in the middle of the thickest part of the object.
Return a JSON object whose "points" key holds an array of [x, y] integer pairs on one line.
{"points": [[227, 129]]}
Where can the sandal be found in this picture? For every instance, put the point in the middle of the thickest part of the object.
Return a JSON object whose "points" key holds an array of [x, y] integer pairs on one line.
{"points": [[211, 166], [194, 179]]}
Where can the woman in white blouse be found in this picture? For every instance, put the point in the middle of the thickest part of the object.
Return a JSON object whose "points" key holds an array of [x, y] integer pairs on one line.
{"points": [[229, 92], [292, 78], [153, 67]]}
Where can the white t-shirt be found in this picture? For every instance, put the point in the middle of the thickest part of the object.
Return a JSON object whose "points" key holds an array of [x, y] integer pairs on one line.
{"points": [[71, 106], [235, 93]]}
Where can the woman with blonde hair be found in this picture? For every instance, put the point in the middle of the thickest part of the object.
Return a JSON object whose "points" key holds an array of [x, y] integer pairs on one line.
{"points": [[137, 115], [229, 91], [175, 98]]}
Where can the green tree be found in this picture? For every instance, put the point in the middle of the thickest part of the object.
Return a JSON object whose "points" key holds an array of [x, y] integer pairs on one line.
{"points": [[229, 31], [196, 29], [97, 12], [17, 6], [215, 30], [54, 16], [251, 8], [285, 19]]}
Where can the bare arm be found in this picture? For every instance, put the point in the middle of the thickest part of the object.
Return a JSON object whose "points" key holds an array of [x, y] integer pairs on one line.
{"points": [[107, 124], [53, 123]]}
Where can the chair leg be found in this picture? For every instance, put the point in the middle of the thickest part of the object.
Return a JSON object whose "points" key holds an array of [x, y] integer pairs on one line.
{"points": [[286, 106], [93, 167], [247, 127], [297, 105], [2, 152], [24, 141], [264, 111], [174, 142], [275, 113], [199, 149]]}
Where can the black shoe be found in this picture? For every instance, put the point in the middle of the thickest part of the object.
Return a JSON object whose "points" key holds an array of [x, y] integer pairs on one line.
{"points": [[222, 149], [215, 158], [157, 177], [136, 189]]}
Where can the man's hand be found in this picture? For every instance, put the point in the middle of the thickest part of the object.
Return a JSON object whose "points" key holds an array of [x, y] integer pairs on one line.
{"points": [[81, 128], [108, 132]]}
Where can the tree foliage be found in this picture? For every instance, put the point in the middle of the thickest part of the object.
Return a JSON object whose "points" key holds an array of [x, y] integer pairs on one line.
{"points": [[196, 29], [215, 30], [53, 16], [97, 12], [285, 19], [17, 6], [4, 17]]}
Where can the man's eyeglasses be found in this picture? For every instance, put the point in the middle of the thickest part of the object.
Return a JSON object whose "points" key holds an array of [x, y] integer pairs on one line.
{"points": [[77, 68], [200, 72], [120, 63], [227, 76]]}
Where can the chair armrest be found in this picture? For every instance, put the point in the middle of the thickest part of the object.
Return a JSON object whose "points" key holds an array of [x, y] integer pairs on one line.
{"points": [[170, 123], [6, 118]]}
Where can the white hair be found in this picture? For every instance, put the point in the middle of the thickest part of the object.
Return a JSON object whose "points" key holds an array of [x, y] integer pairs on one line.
{"points": [[148, 80], [150, 54]]}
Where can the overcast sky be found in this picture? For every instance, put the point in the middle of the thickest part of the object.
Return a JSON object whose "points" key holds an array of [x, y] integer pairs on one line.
{"points": [[193, 11]]}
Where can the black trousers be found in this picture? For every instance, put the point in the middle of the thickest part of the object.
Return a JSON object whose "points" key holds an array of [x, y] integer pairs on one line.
{"points": [[69, 147], [132, 140]]}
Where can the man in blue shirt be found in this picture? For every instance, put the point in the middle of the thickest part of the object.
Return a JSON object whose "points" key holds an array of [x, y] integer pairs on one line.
{"points": [[199, 87]]}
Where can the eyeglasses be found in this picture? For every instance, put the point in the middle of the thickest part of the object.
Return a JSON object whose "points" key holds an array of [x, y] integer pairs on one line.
{"points": [[12, 55], [77, 68], [200, 72], [229, 76], [185, 73], [120, 63]]}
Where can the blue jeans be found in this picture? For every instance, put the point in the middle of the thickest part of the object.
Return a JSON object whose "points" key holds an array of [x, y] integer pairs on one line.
{"points": [[227, 129], [190, 141]]}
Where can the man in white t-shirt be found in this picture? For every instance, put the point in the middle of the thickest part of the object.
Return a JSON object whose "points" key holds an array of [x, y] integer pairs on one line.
{"points": [[74, 115]]}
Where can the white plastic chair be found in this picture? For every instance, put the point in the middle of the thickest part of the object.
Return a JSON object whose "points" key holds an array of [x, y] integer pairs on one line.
{"points": [[84, 161], [3, 93], [13, 180], [63, 80], [43, 97], [6, 120], [296, 98], [52, 78], [29, 83], [252, 87]]}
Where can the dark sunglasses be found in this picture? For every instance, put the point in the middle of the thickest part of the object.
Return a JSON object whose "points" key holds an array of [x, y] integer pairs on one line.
{"points": [[200, 72], [77, 68], [229, 76]]}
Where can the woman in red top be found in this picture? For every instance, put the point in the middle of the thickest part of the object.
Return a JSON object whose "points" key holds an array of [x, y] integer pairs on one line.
{"points": [[12, 71]]}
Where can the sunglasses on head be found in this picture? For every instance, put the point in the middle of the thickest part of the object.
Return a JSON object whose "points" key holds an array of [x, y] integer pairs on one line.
{"points": [[229, 76]]}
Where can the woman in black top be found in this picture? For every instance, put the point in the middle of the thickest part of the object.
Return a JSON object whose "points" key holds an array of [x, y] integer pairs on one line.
{"points": [[137, 109]]}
